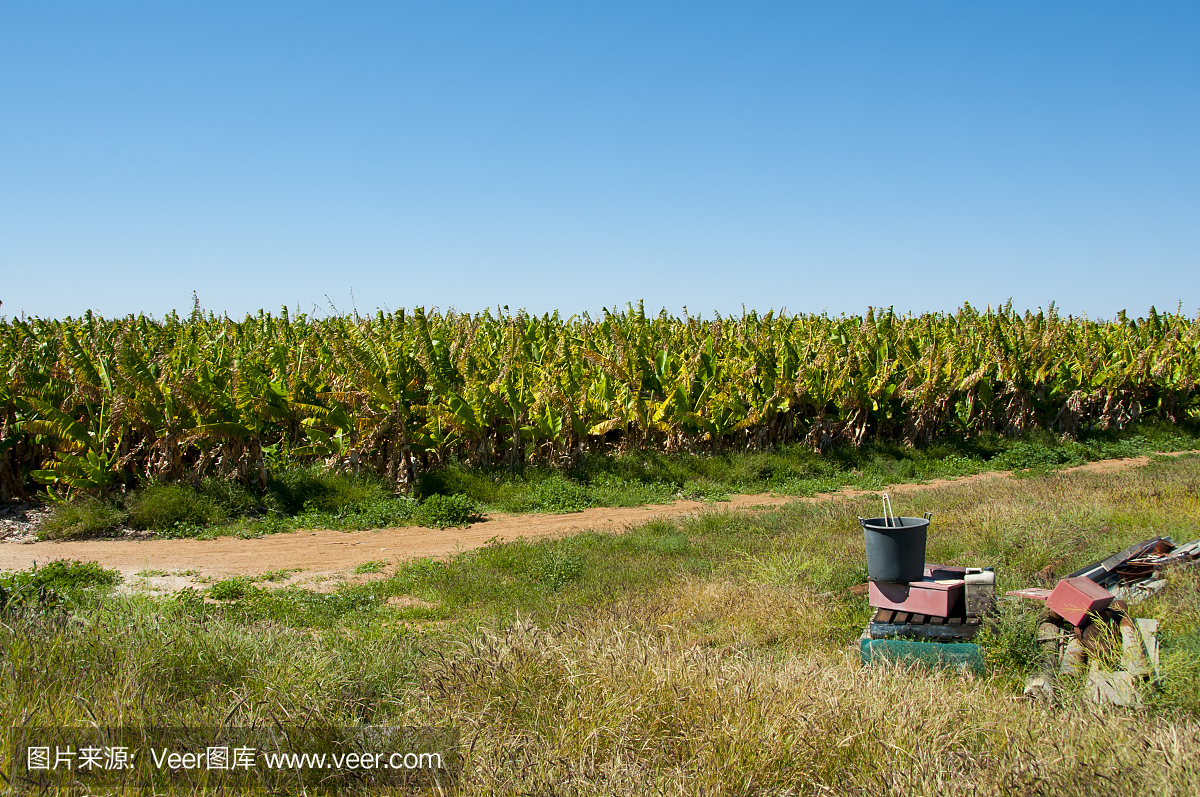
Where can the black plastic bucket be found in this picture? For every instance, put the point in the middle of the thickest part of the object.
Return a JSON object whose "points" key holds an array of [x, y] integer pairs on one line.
{"points": [[895, 552]]}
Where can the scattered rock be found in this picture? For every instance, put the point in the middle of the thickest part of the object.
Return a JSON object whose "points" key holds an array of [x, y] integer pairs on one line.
{"points": [[19, 521]]}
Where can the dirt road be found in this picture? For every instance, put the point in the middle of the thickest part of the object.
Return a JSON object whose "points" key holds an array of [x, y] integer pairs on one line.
{"points": [[321, 553]]}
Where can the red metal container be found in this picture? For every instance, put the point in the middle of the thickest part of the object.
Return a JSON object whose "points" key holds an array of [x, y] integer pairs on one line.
{"points": [[1074, 599], [930, 597]]}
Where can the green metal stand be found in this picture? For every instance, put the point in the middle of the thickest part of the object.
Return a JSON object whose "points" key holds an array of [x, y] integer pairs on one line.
{"points": [[959, 655]]}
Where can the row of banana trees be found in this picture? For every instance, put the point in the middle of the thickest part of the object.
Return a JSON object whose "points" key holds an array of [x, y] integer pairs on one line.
{"points": [[90, 404]]}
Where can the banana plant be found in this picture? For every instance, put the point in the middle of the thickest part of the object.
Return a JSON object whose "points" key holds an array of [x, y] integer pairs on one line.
{"points": [[181, 397], [87, 452]]}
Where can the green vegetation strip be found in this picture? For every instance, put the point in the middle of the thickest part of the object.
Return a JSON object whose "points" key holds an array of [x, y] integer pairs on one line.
{"points": [[315, 497], [703, 655]]}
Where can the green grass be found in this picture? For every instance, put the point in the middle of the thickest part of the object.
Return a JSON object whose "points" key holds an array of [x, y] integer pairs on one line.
{"points": [[1177, 608], [703, 655], [299, 498]]}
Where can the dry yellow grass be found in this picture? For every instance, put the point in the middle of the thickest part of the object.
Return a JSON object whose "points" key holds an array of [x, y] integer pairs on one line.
{"points": [[620, 705]]}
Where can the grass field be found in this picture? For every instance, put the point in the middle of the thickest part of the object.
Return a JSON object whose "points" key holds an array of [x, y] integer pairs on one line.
{"points": [[705, 656]]}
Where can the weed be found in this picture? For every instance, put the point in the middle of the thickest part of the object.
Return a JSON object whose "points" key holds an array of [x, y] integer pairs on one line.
{"points": [[283, 574], [318, 490], [52, 583], [377, 513], [555, 568], [231, 589], [373, 566], [704, 489], [1009, 640], [819, 572], [1039, 457], [1180, 686], [64, 576], [233, 498], [609, 489], [703, 654], [314, 497], [1177, 609], [251, 527], [457, 480], [190, 599]]}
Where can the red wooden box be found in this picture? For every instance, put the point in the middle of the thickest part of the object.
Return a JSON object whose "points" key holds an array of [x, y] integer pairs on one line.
{"points": [[1074, 598], [927, 596]]}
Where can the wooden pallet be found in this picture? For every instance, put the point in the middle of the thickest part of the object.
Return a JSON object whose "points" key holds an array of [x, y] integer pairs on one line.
{"points": [[887, 623]]}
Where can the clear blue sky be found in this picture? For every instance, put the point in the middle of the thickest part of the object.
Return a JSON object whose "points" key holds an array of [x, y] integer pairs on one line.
{"points": [[563, 155]]}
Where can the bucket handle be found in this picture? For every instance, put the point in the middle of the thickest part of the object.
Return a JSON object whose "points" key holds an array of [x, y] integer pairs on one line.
{"points": [[888, 517], [863, 520]]}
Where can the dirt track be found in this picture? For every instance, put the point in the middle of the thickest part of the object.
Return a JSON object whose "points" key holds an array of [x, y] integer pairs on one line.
{"points": [[322, 553]]}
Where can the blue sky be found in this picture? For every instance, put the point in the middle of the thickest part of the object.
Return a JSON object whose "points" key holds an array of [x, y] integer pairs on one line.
{"points": [[569, 156]]}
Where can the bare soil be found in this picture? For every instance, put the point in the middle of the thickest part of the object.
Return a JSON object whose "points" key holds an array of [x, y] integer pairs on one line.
{"points": [[324, 558]]}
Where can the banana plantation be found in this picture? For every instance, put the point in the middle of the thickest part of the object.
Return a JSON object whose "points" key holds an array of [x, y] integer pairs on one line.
{"points": [[90, 404]]}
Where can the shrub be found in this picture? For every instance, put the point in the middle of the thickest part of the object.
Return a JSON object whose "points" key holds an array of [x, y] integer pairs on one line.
{"points": [[455, 480], [230, 495], [560, 495], [165, 506], [86, 517], [1039, 456], [442, 511], [315, 489]]}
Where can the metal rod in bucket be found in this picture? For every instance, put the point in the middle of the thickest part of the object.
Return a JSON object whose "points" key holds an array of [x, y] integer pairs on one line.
{"points": [[888, 516]]}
